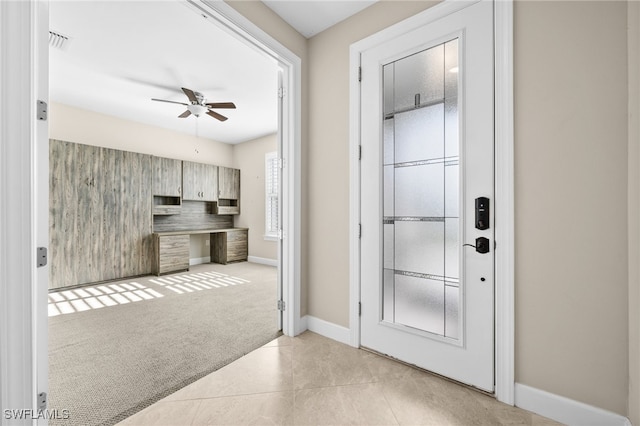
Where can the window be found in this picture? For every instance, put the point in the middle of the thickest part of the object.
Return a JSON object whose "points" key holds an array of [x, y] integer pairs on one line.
{"points": [[271, 197]]}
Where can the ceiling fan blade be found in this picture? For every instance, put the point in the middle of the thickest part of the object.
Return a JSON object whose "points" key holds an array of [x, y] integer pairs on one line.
{"points": [[171, 102], [220, 105], [216, 115], [190, 95], [185, 114]]}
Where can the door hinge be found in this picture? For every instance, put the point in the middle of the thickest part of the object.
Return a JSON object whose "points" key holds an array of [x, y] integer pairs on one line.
{"points": [[359, 73], [280, 163], [359, 230], [41, 256], [359, 152], [42, 401], [42, 111], [281, 92], [281, 305], [495, 245], [280, 233], [359, 309]]}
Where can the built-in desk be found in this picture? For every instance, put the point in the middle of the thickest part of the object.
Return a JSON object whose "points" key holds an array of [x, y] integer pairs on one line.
{"points": [[171, 249]]}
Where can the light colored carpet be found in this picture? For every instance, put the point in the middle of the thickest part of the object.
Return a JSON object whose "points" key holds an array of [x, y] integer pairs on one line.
{"points": [[108, 363]]}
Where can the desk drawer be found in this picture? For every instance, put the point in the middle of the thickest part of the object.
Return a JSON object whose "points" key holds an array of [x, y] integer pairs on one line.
{"points": [[230, 246], [172, 253]]}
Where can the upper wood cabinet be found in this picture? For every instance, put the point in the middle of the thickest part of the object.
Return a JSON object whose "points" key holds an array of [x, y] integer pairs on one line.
{"points": [[166, 185], [200, 181], [229, 191], [229, 183], [167, 177]]}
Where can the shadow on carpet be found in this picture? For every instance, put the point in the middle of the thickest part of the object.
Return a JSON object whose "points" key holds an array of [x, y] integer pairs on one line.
{"points": [[107, 364]]}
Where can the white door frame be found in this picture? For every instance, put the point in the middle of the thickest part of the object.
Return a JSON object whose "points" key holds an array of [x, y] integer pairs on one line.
{"points": [[504, 179], [24, 210]]}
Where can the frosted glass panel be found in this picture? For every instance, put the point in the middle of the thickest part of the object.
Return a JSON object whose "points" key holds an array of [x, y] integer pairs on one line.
{"points": [[451, 71], [388, 190], [420, 303], [389, 139], [451, 185], [423, 74], [388, 303], [451, 256], [419, 247], [419, 191], [451, 147], [387, 75], [419, 134], [389, 246], [451, 307]]}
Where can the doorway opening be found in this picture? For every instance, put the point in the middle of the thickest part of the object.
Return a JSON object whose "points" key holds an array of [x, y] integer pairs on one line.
{"points": [[284, 142]]}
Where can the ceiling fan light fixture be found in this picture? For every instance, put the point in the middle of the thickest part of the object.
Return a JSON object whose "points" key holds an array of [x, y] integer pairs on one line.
{"points": [[197, 110]]}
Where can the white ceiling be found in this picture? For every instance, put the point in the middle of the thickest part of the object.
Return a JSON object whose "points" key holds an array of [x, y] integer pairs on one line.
{"points": [[123, 53], [120, 54], [310, 17]]}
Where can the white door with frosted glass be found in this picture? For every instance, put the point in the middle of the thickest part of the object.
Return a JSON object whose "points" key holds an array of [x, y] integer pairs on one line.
{"points": [[427, 288]]}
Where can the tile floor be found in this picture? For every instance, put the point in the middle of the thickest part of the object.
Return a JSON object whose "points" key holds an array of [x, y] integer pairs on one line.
{"points": [[310, 379]]}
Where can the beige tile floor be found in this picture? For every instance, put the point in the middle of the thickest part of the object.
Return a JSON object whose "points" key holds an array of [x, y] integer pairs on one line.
{"points": [[310, 379]]}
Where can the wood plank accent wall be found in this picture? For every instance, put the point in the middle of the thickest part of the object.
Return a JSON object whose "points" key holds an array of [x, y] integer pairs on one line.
{"points": [[194, 215], [99, 214]]}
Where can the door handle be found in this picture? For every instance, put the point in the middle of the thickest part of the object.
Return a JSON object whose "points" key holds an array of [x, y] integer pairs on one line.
{"points": [[482, 213], [482, 245]]}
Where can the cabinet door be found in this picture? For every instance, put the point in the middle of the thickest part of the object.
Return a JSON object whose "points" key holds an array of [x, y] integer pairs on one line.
{"points": [[134, 242], [210, 182], [89, 234], [237, 245], [228, 183], [172, 253], [167, 177], [190, 181], [63, 215]]}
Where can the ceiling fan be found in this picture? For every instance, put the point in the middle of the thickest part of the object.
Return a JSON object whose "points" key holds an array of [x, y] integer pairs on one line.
{"points": [[198, 106]]}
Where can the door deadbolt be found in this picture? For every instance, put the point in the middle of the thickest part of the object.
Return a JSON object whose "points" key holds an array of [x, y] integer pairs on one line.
{"points": [[482, 213]]}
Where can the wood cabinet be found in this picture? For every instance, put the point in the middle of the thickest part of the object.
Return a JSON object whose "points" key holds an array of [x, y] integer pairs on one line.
{"points": [[167, 177], [230, 246], [228, 183], [228, 191], [171, 253], [167, 186], [200, 181], [99, 214]]}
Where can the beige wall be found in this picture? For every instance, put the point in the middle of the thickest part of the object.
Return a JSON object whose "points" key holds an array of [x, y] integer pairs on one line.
{"points": [[91, 128], [571, 200], [571, 185], [634, 211], [249, 157]]}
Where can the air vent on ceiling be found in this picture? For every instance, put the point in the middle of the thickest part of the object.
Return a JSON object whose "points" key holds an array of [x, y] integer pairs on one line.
{"points": [[57, 40]]}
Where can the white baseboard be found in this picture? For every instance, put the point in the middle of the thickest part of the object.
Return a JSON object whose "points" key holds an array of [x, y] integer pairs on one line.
{"points": [[262, 260], [327, 329], [199, 260], [565, 410]]}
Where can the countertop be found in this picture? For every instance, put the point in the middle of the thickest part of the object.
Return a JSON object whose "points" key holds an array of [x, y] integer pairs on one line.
{"points": [[199, 231]]}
